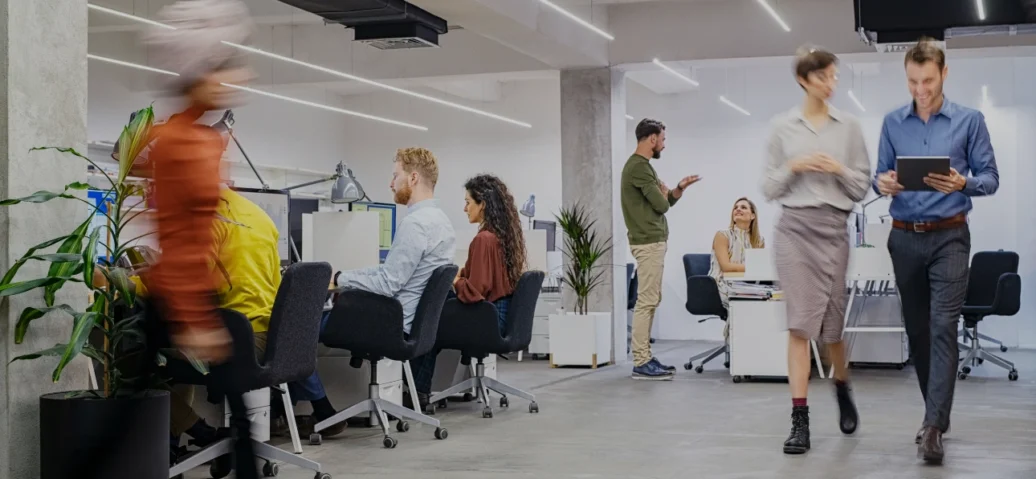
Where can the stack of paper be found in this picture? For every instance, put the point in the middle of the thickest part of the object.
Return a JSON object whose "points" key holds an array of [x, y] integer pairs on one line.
{"points": [[750, 291]]}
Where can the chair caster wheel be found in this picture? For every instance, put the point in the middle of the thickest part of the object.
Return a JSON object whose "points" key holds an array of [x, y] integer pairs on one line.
{"points": [[504, 402], [315, 439], [442, 404], [389, 442], [270, 469], [322, 475], [1003, 349], [403, 426], [487, 413], [981, 360], [441, 433], [534, 408], [1013, 375], [966, 370], [222, 466], [699, 369], [726, 364], [688, 366], [468, 397], [962, 376], [737, 379]]}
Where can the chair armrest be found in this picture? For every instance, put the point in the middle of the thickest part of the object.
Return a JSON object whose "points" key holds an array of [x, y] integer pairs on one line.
{"points": [[1007, 300]]}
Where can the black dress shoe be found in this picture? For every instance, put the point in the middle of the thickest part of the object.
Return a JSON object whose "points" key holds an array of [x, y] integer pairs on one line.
{"points": [[930, 448], [849, 417], [798, 440]]}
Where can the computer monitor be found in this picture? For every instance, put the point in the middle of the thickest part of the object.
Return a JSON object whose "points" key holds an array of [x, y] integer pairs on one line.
{"points": [[299, 207], [551, 228]]}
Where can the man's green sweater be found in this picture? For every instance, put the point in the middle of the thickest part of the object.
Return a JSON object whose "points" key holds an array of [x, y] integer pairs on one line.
{"points": [[643, 205]]}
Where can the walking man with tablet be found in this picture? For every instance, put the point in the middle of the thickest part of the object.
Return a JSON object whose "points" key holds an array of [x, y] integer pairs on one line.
{"points": [[930, 243]]}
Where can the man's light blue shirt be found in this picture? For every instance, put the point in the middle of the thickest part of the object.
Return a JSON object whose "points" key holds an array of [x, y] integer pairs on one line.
{"points": [[955, 131], [424, 241]]}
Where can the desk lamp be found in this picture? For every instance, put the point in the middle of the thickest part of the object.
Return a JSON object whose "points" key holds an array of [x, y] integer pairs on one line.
{"points": [[346, 189], [529, 209]]}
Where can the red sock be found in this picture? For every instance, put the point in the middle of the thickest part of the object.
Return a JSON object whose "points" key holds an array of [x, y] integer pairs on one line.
{"points": [[798, 402]]}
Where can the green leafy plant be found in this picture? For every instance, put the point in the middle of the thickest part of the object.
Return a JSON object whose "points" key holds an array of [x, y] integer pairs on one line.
{"points": [[110, 315], [584, 249]]}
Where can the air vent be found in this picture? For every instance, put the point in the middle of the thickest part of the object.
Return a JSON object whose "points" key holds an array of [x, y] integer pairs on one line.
{"points": [[383, 24]]}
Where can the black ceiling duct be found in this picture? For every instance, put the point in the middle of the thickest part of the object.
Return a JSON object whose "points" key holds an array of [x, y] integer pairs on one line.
{"points": [[384, 24], [900, 21]]}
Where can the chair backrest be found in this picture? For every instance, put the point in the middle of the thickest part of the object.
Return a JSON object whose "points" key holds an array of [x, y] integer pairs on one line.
{"points": [[426, 320], [696, 264], [295, 322], [522, 309], [986, 269], [703, 297]]}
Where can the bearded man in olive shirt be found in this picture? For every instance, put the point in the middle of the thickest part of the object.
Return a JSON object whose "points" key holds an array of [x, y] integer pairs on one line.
{"points": [[645, 200]]}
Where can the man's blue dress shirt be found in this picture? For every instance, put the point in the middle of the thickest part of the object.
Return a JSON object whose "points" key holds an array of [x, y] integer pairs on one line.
{"points": [[955, 131]]}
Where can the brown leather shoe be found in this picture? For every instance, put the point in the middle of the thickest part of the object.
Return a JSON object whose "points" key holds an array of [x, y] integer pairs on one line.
{"points": [[920, 432], [930, 448]]}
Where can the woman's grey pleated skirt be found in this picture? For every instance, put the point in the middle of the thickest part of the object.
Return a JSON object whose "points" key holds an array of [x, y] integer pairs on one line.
{"points": [[811, 247]]}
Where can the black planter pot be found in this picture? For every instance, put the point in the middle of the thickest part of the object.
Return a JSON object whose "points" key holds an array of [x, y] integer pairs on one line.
{"points": [[89, 438]]}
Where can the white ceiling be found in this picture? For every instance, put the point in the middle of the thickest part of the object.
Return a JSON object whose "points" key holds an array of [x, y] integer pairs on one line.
{"points": [[505, 40]]}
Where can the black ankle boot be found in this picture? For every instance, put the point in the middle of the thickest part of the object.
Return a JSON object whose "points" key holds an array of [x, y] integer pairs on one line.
{"points": [[848, 418], [798, 440]]}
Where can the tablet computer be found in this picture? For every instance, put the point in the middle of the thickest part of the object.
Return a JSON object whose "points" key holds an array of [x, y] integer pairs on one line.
{"points": [[912, 170]]}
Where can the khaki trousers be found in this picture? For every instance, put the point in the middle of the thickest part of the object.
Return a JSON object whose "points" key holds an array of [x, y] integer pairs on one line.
{"points": [[650, 263]]}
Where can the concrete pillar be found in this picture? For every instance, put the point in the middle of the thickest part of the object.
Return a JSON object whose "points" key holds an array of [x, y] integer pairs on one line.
{"points": [[42, 103], [593, 144]]}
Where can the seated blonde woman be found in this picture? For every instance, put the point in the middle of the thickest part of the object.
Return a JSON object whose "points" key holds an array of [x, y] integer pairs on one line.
{"points": [[729, 245]]}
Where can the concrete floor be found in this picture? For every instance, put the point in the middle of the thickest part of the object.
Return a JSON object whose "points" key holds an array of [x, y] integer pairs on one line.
{"points": [[602, 425]]}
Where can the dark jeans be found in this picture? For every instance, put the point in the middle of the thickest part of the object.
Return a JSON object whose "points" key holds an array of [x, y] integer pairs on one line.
{"points": [[423, 367], [932, 277]]}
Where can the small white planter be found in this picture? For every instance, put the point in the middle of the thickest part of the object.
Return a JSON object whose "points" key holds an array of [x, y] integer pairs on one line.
{"points": [[580, 339]]}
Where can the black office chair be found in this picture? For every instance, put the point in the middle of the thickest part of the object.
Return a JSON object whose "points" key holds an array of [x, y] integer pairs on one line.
{"points": [[290, 356], [370, 326], [473, 329], [703, 299], [994, 289]]}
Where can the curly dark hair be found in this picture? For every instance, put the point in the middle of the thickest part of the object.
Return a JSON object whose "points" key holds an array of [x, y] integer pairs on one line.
{"points": [[501, 219]]}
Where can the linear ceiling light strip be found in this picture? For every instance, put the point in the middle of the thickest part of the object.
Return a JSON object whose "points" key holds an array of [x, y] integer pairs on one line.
{"points": [[675, 73], [329, 71], [575, 18], [266, 94]]}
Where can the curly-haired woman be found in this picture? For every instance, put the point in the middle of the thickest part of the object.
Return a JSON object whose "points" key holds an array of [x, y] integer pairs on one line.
{"points": [[496, 260]]}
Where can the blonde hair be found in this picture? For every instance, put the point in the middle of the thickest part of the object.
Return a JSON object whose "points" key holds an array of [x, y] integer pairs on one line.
{"points": [[421, 161], [753, 229]]}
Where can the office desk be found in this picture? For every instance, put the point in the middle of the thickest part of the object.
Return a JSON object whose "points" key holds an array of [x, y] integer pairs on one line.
{"points": [[760, 348]]}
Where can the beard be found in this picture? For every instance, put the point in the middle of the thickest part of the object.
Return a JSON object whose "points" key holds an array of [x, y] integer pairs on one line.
{"points": [[656, 154], [403, 194]]}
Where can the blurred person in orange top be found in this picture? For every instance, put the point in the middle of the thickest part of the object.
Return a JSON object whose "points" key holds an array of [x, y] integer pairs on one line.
{"points": [[186, 164]]}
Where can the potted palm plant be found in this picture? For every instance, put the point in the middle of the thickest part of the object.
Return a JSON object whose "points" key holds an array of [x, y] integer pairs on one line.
{"points": [[580, 337], [120, 428]]}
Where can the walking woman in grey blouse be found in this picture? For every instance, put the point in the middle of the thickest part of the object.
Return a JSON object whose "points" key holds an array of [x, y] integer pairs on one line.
{"points": [[817, 169], [729, 245]]}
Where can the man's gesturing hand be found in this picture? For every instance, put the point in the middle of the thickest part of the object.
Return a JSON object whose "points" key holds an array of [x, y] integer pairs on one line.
{"points": [[684, 183]]}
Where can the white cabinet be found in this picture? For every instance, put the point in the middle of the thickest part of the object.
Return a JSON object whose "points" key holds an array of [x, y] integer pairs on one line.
{"points": [[548, 303], [758, 339]]}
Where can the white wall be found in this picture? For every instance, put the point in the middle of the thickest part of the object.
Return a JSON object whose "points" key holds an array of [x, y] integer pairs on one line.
{"points": [[726, 148], [278, 133]]}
